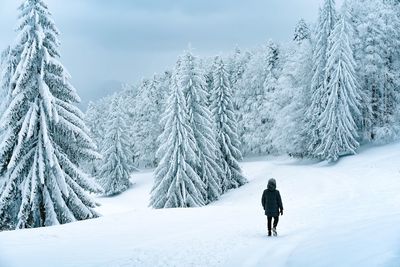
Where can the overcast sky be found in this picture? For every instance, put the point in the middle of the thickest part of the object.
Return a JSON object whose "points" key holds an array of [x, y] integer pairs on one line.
{"points": [[125, 40]]}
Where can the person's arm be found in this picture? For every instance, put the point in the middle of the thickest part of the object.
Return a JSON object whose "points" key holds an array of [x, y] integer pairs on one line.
{"points": [[280, 203], [263, 200]]}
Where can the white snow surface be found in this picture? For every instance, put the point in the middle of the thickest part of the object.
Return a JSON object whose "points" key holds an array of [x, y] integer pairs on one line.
{"points": [[347, 214]]}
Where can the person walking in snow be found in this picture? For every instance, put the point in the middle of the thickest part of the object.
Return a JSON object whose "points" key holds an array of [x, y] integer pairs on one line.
{"points": [[272, 203]]}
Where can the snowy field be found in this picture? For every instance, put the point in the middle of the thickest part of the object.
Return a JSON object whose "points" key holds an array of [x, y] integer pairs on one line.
{"points": [[346, 214]]}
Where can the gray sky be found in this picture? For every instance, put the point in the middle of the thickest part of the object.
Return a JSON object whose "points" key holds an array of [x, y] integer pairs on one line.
{"points": [[125, 40]]}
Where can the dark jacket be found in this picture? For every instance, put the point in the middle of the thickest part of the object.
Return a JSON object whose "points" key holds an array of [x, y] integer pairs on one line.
{"points": [[271, 200]]}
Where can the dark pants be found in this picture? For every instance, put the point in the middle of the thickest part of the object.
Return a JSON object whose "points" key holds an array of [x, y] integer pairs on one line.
{"points": [[276, 220]]}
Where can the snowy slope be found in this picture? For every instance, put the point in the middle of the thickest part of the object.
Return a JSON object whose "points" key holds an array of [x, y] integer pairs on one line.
{"points": [[346, 214]]}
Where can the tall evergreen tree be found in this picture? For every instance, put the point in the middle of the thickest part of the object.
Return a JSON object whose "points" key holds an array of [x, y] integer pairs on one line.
{"points": [[292, 98], [45, 137], [192, 82], [369, 49], [115, 168], [95, 119], [337, 124], [391, 17], [149, 106], [301, 32], [377, 54], [237, 65], [227, 137], [257, 101], [129, 106], [176, 182], [326, 22]]}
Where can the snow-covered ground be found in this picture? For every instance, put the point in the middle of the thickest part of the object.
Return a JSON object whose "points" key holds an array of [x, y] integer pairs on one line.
{"points": [[347, 214]]}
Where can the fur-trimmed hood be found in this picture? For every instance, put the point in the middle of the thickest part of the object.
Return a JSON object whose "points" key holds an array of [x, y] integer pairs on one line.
{"points": [[271, 184]]}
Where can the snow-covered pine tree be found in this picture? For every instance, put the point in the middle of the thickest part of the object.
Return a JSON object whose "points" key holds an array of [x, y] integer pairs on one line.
{"points": [[326, 22], [95, 119], [377, 55], [272, 67], [302, 32], [129, 97], [149, 106], [176, 183], [45, 137], [256, 100], [292, 98], [369, 48], [337, 123], [272, 91], [191, 81], [227, 137], [236, 65], [115, 167], [391, 17]]}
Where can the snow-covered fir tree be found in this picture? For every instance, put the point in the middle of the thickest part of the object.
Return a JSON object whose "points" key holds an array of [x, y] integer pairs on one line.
{"points": [[256, 101], [272, 90], [369, 49], [149, 105], [95, 119], [326, 22], [302, 32], [292, 98], [128, 105], [337, 123], [44, 135], [237, 65], [377, 55], [191, 80], [391, 125], [176, 182], [227, 136], [115, 167]]}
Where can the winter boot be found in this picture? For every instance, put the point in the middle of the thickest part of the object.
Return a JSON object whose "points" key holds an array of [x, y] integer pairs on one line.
{"points": [[269, 232], [274, 231]]}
